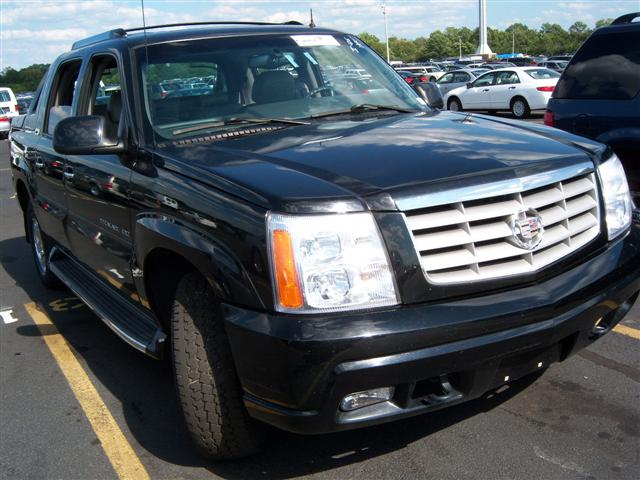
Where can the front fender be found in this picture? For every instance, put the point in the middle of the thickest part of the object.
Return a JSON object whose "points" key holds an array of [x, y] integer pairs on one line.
{"points": [[214, 260]]}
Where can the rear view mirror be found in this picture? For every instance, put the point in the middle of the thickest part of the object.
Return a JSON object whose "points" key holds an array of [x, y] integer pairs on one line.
{"points": [[430, 93], [469, 84], [84, 136]]}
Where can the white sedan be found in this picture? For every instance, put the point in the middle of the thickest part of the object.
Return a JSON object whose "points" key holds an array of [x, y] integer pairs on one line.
{"points": [[519, 89]]}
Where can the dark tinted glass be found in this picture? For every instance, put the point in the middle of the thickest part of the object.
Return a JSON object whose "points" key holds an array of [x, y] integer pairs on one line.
{"points": [[606, 67]]}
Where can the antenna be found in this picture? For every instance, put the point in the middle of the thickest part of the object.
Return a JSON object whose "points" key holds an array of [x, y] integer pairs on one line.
{"points": [[311, 23]]}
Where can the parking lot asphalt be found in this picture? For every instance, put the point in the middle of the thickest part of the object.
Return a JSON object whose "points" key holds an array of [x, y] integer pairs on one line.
{"points": [[78, 403]]}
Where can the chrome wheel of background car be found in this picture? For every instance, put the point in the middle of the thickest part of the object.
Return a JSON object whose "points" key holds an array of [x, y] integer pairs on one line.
{"points": [[38, 246], [454, 106], [519, 108]]}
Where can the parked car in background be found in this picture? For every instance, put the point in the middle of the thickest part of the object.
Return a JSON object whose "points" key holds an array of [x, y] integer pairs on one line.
{"points": [[432, 73], [557, 65], [522, 61], [496, 65], [458, 78], [23, 102], [8, 109], [565, 58], [519, 90], [413, 77], [598, 95]]}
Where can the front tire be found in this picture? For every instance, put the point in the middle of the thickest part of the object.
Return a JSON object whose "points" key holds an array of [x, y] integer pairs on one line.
{"points": [[520, 108], [454, 105], [41, 249], [208, 388]]}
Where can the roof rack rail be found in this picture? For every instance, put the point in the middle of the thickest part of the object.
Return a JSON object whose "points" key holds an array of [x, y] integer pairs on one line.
{"points": [[100, 37], [628, 18], [121, 32], [190, 24]]}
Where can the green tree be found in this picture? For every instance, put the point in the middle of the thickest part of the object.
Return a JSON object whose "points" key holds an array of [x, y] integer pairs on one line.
{"points": [[604, 22]]}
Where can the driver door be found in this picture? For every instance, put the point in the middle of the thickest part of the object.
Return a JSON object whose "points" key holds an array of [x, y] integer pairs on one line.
{"points": [[97, 186]]}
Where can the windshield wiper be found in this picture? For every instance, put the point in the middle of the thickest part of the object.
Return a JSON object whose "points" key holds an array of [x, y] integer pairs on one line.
{"points": [[364, 107], [238, 121]]}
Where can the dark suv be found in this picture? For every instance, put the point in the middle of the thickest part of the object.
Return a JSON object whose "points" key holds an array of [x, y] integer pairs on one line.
{"points": [[310, 253], [598, 95]]}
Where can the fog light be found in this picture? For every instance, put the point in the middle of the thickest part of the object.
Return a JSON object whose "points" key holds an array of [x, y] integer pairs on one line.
{"points": [[366, 397]]}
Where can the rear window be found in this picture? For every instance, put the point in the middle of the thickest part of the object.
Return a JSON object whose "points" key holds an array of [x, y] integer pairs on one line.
{"points": [[542, 73], [606, 67], [4, 96]]}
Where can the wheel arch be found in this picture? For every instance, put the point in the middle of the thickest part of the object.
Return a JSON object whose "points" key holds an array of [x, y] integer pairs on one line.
{"points": [[451, 98], [167, 248], [517, 97]]}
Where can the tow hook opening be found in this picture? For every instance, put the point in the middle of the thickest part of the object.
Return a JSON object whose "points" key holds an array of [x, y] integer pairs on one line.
{"points": [[604, 324]]}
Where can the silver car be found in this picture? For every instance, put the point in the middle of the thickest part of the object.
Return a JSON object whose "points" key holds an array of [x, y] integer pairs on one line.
{"points": [[458, 78]]}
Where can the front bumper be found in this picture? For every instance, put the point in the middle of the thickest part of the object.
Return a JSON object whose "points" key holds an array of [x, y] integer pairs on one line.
{"points": [[295, 370]]}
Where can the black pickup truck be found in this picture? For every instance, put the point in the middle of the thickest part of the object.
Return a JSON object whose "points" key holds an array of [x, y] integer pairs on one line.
{"points": [[313, 254]]}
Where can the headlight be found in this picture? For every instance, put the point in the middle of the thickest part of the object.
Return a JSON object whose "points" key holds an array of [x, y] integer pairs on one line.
{"points": [[328, 263], [617, 200]]}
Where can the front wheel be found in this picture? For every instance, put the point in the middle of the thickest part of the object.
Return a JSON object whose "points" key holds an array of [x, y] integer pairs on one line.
{"points": [[41, 248], [205, 375], [520, 108], [454, 105]]}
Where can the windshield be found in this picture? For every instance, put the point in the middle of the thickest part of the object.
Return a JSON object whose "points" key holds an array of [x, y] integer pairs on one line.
{"points": [[542, 73], [213, 83]]}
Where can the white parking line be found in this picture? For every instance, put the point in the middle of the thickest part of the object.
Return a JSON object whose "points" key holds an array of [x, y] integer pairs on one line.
{"points": [[7, 316]]}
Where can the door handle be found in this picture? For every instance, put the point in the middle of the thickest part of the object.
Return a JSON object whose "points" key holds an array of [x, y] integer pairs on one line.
{"points": [[512, 88], [485, 89], [68, 174], [39, 163]]}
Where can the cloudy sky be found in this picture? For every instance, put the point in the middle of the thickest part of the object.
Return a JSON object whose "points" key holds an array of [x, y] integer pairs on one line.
{"points": [[36, 31]]}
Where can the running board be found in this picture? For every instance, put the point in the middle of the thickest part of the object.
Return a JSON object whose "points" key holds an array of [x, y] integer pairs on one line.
{"points": [[131, 322]]}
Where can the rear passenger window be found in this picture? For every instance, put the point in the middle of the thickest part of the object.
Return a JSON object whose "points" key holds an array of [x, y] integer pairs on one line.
{"points": [[606, 67], [60, 103]]}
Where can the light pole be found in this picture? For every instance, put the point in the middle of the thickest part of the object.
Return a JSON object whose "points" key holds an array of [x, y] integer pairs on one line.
{"points": [[513, 43], [386, 34], [460, 42]]}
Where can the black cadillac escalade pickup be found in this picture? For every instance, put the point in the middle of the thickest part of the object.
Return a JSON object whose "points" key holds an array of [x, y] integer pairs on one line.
{"points": [[314, 245]]}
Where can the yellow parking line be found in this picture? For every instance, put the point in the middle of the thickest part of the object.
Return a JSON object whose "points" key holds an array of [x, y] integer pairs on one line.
{"points": [[119, 451], [628, 331]]}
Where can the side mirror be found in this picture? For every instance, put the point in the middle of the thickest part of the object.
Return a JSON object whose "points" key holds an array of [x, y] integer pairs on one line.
{"points": [[469, 84], [85, 135], [431, 94]]}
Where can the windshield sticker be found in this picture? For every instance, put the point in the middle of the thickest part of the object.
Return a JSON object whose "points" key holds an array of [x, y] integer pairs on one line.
{"points": [[354, 44], [315, 40]]}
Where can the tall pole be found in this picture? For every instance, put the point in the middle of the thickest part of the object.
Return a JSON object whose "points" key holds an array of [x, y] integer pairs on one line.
{"points": [[513, 43], [460, 41], [386, 33]]}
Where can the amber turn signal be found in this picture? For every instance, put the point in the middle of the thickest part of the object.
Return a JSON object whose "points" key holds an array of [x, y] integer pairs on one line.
{"points": [[289, 290]]}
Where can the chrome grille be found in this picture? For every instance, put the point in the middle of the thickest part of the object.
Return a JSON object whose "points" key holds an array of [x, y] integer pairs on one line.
{"points": [[469, 240]]}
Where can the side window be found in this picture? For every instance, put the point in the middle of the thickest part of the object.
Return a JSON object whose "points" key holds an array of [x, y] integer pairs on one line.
{"points": [[461, 77], [607, 66], [485, 80], [103, 95], [446, 78], [60, 102], [506, 78]]}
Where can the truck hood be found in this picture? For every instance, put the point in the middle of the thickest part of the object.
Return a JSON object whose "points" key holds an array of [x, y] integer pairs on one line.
{"points": [[363, 162]]}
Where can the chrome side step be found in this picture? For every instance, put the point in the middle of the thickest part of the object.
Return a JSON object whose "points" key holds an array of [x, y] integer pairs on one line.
{"points": [[129, 321]]}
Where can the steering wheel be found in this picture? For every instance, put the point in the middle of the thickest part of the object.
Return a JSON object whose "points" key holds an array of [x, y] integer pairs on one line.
{"points": [[315, 91]]}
